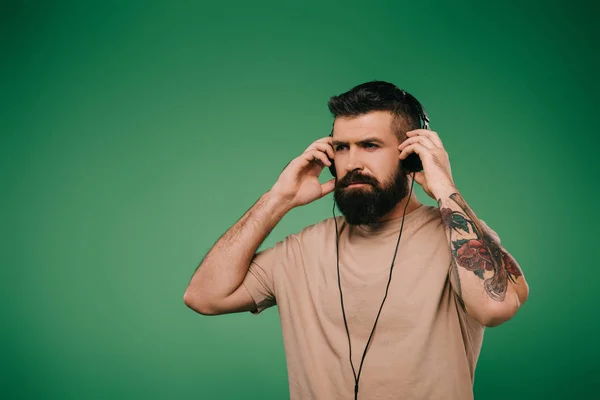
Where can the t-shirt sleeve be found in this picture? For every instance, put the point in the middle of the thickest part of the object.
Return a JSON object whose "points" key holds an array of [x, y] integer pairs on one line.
{"points": [[265, 268]]}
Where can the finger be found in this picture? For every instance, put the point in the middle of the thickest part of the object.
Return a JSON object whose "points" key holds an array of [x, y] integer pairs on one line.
{"points": [[417, 139], [324, 147], [432, 135], [413, 148], [322, 144], [316, 155], [327, 187], [326, 140], [420, 178], [435, 138]]}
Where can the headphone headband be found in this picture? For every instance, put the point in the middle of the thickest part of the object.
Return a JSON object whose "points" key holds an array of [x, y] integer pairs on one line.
{"points": [[424, 119]]}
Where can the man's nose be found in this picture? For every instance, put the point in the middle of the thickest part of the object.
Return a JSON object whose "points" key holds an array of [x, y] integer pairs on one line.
{"points": [[353, 161]]}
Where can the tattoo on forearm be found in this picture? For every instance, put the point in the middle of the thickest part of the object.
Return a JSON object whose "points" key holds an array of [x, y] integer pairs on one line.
{"points": [[475, 249]]}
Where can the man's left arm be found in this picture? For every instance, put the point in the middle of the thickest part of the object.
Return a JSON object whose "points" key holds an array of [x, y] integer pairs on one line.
{"points": [[487, 279]]}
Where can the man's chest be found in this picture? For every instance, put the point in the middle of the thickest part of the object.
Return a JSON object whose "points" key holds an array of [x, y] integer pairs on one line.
{"points": [[322, 290]]}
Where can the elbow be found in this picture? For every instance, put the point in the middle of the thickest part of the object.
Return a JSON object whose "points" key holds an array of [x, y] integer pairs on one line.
{"points": [[188, 299], [494, 320], [195, 303], [523, 292], [497, 313]]}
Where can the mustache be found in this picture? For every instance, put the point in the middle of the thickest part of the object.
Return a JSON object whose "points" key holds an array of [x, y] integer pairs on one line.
{"points": [[355, 177]]}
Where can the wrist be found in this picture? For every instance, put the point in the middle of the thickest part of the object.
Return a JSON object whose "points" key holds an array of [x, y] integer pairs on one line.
{"points": [[443, 192], [276, 204]]}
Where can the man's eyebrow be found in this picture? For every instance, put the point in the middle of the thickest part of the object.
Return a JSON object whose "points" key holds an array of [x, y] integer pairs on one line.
{"points": [[364, 141], [371, 140]]}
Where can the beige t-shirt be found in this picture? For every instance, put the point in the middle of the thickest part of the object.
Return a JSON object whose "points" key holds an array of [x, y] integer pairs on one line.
{"points": [[424, 347]]}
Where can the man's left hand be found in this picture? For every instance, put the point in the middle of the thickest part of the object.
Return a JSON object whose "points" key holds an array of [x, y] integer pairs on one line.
{"points": [[436, 178]]}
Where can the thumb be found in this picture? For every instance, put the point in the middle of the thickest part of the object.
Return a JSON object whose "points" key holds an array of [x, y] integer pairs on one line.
{"points": [[327, 187], [420, 178]]}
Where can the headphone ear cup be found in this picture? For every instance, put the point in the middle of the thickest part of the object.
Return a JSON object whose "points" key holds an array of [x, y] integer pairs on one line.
{"points": [[332, 168], [412, 163]]}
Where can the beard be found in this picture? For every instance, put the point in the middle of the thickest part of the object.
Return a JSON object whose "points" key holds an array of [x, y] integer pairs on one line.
{"points": [[367, 204]]}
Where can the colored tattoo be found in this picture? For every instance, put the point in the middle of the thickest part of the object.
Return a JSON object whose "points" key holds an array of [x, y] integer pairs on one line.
{"points": [[474, 249]]}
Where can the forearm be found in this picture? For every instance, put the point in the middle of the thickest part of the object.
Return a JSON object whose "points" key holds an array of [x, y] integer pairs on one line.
{"points": [[225, 266], [486, 277]]}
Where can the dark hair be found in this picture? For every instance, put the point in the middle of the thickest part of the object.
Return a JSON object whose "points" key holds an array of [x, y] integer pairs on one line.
{"points": [[378, 96]]}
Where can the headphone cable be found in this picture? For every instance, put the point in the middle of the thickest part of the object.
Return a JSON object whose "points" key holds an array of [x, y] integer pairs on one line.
{"points": [[357, 377]]}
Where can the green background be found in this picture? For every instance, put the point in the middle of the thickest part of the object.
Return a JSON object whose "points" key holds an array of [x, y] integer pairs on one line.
{"points": [[133, 134]]}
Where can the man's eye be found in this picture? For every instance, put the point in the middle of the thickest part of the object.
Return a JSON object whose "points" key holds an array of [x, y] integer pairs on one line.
{"points": [[371, 145], [340, 147]]}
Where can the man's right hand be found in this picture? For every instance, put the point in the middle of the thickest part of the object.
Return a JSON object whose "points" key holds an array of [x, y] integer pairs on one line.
{"points": [[299, 183]]}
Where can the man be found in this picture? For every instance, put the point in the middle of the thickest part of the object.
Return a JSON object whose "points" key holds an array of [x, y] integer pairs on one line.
{"points": [[351, 327]]}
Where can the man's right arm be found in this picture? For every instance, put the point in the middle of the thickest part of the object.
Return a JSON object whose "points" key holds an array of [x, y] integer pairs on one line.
{"points": [[216, 286]]}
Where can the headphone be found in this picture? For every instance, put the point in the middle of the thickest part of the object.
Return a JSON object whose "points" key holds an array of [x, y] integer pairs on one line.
{"points": [[412, 163]]}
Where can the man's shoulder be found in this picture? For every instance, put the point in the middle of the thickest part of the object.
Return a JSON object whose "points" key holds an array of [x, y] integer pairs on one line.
{"points": [[431, 214], [430, 221], [319, 228]]}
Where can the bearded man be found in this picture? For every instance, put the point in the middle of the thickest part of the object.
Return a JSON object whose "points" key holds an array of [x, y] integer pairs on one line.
{"points": [[388, 300]]}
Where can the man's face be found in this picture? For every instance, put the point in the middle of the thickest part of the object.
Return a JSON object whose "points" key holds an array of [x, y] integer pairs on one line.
{"points": [[369, 181]]}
